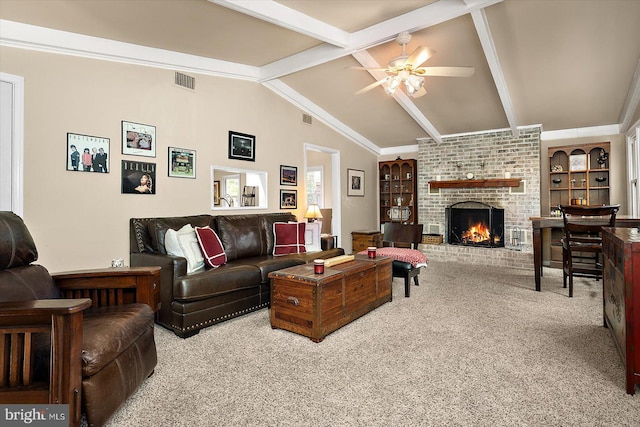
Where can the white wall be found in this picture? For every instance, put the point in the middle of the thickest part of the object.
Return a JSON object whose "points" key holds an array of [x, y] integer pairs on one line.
{"points": [[80, 220]]}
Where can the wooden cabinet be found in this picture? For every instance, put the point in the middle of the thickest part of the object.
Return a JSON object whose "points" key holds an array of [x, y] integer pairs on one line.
{"points": [[578, 175], [361, 240], [621, 297], [398, 191]]}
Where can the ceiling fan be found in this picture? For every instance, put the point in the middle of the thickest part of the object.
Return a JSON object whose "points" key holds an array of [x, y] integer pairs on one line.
{"points": [[405, 69]]}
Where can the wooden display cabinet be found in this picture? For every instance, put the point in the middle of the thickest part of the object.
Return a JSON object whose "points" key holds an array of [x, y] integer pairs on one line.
{"points": [[578, 175], [398, 191]]}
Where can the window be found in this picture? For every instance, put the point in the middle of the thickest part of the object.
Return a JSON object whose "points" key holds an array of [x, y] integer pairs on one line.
{"points": [[231, 190], [313, 181]]}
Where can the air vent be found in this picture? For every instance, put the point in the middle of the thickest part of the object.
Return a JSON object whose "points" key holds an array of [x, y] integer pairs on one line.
{"points": [[185, 81], [306, 119]]}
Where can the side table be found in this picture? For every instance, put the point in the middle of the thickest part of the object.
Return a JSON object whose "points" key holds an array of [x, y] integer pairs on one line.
{"points": [[138, 284], [361, 240]]}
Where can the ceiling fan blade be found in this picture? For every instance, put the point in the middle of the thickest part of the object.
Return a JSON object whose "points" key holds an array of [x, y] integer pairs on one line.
{"points": [[373, 69], [371, 86], [418, 56], [445, 71], [421, 92]]}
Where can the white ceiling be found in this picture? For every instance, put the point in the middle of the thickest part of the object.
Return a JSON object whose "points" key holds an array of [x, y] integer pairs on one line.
{"points": [[563, 64]]}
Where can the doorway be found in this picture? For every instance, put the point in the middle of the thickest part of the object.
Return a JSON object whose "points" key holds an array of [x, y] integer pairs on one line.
{"points": [[11, 142], [326, 160]]}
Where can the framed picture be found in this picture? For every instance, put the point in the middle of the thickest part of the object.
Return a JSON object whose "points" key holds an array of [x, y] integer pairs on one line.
{"points": [[288, 175], [242, 146], [578, 162], [138, 177], [182, 163], [138, 139], [87, 153], [216, 193], [355, 182], [288, 199]]}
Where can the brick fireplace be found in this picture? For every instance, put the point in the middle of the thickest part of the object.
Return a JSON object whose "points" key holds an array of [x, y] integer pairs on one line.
{"points": [[480, 156]]}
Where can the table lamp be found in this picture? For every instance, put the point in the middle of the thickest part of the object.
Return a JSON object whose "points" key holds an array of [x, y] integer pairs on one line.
{"points": [[313, 213]]}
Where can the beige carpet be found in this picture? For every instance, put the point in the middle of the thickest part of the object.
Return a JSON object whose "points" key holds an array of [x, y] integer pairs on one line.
{"points": [[472, 346]]}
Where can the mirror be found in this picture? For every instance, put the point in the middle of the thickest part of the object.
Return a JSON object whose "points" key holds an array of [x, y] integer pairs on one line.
{"points": [[235, 188]]}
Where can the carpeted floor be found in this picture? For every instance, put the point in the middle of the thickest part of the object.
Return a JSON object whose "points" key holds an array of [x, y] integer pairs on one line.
{"points": [[472, 346]]}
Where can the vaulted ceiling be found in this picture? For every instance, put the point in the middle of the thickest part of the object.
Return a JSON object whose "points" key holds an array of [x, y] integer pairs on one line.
{"points": [[566, 65]]}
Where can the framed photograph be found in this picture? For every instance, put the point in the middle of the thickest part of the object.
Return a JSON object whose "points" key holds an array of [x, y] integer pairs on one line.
{"points": [[288, 175], [242, 146], [138, 177], [578, 162], [182, 163], [216, 193], [87, 153], [355, 182], [138, 139], [288, 199]]}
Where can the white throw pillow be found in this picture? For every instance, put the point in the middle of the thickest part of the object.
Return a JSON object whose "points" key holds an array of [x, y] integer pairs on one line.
{"points": [[184, 243]]}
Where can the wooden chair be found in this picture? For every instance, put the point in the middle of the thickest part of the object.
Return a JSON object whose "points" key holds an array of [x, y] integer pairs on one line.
{"points": [[582, 241], [403, 236]]}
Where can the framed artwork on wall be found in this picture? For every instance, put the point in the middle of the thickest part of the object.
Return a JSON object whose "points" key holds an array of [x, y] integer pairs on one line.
{"points": [[288, 175], [138, 139], [288, 199], [182, 163], [242, 146], [86, 153], [355, 182], [138, 177], [216, 193]]}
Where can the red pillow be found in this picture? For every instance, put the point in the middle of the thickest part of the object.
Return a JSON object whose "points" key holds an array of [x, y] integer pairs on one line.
{"points": [[289, 238], [211, 247]]}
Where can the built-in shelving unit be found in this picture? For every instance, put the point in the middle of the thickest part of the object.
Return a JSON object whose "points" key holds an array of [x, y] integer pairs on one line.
{"points": [[398, 191]]}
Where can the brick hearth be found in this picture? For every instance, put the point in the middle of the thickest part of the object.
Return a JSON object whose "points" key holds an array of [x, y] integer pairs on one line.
{"points": [[487, 155]]}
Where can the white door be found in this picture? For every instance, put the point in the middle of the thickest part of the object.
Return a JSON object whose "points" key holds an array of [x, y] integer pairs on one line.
{"points": [[11, 142]]}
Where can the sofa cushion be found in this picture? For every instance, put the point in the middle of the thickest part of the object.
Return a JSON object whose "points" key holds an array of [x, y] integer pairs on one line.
{"points": [[184, 243], [157, 228], [270, 263], [242, 236], [212, 282], [17, 247], [289, 238], [108, 331], [211, 247]]}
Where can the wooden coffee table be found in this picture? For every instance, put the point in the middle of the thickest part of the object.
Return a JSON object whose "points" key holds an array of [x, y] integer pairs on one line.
{"points": [[314, 305]]}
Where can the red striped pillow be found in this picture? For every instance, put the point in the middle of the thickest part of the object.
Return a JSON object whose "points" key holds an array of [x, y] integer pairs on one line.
{"points": [[211, 247], [289, 238]]}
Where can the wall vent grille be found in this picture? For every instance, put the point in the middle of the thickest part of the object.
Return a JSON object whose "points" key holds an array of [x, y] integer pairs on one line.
{"points": [[185, 81], [306, 118]]}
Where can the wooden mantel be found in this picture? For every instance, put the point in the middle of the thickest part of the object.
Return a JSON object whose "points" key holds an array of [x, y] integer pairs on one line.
{"points": [[476, 183]]}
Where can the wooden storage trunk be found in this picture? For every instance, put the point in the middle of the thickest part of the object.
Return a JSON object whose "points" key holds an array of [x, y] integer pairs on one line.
{"points": [[314, 305]]}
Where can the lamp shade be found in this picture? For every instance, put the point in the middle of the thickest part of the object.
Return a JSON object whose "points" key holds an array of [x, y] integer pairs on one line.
{"points": [[313, 212]]}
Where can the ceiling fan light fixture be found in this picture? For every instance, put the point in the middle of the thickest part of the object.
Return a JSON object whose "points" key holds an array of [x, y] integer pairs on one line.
{"points": [[414, 82], [392, 85]]}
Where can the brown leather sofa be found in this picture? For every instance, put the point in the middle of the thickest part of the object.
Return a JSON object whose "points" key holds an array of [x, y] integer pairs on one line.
{"points": [[55, 350], [190, 302]]}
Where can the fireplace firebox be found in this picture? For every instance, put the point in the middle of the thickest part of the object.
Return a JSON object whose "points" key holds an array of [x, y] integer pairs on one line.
{"points": [[473, 223]]}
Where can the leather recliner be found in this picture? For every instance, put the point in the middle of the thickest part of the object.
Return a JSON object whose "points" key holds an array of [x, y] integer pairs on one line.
{"points": [[66, 351]]}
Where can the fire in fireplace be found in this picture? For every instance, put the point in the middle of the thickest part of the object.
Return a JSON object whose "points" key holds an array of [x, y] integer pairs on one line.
{"points": [[475, 224]]}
